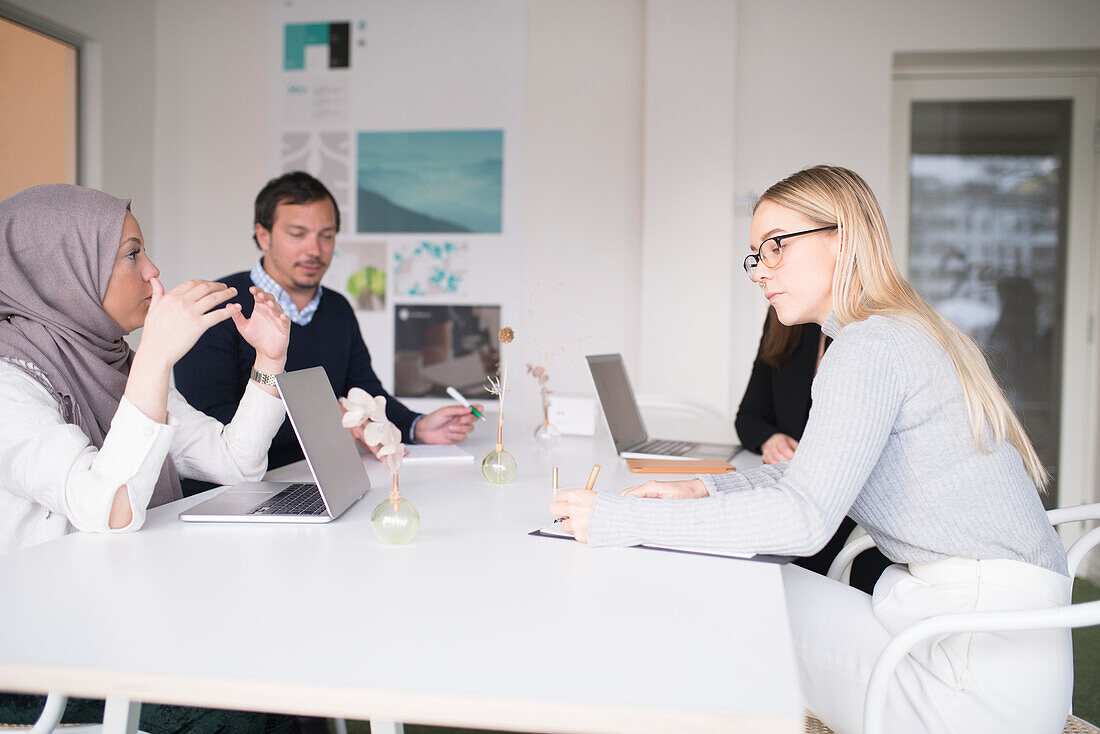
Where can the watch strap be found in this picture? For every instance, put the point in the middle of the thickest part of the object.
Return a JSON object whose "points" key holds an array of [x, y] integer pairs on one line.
{"points": [[263, 378]]}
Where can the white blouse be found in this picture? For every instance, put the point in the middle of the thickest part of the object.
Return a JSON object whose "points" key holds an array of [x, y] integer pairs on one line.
{"points": [[54, 481]]}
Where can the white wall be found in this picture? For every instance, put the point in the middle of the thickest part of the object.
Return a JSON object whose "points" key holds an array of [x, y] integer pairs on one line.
{"points": [[581, 188], [581, 183], [687, 202], [814, 79], [814, 83], [643, 120], [210, 147]]}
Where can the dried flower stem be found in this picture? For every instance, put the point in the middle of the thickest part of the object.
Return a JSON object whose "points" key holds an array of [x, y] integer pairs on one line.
{"points": [[539, 373], [503, 387], [395, 494]]}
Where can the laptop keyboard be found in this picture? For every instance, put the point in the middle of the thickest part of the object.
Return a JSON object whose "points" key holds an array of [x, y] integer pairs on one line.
{"points": [[667, 448], [297, 499]]}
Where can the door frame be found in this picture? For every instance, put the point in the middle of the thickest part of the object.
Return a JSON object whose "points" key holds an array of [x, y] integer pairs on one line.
{"points": [[1077, 468]]}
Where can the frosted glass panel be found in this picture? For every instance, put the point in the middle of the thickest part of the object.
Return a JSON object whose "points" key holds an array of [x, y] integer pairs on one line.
{"points": [[987, 241]]}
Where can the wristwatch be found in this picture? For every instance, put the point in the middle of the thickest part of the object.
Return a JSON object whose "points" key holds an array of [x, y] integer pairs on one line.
{"points": [[263, 378]]}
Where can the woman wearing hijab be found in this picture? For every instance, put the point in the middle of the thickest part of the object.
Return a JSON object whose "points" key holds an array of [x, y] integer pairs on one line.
{"points": [[85, 422]]}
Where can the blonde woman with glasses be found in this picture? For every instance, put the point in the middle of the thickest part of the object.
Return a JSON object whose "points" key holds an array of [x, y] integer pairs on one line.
{"points": [[911, 436]]}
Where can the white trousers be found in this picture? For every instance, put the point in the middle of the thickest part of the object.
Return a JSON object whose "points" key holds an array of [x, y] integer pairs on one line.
{"points": [[1004, 682]]}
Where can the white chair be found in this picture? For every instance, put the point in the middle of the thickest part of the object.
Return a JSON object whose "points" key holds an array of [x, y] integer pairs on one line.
{"points": [[115, 713], [684, 419], [1073, 615], [54, 709], [679, 405]]}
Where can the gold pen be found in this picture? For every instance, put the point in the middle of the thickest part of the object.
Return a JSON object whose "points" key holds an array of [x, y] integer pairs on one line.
{"points": [[592, 477], [554, 484]]}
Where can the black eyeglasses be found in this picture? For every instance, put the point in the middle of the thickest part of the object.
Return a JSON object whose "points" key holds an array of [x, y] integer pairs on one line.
{"points": [[770, 251]]}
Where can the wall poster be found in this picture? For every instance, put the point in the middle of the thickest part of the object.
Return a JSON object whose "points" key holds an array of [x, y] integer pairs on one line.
{"points": [[410, 112]]}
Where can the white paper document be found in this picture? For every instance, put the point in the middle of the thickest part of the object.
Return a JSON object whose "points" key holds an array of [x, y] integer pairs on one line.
{"points": [[422, 453], [555, 531]]}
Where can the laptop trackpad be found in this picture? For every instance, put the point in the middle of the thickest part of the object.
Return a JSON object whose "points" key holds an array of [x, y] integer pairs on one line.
{"points": [[240, 498]]}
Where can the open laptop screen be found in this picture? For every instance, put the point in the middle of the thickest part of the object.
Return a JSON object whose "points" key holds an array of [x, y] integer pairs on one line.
{"points": [[328, 447], [619, 406]]}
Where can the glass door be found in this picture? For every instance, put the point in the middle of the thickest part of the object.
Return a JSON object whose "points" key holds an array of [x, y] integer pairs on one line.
{"points": [[987, 241], [992, 212]]}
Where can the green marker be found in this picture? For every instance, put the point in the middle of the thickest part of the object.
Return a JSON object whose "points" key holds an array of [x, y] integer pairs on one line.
{"points": [[458, 396]]}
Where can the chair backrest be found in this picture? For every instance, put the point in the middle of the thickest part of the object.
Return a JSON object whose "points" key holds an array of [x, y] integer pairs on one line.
{"points": [[1074, 615], [679, 405]]}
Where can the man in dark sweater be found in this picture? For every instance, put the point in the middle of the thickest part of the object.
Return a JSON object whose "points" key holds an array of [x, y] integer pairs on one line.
{"points": [[296, 221]]}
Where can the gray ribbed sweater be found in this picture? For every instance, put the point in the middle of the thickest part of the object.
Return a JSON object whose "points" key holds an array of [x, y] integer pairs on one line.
{"points": [[888, 442]]}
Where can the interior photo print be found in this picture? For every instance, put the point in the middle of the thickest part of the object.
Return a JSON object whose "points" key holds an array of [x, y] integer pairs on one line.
{"points": [[436, 347]]}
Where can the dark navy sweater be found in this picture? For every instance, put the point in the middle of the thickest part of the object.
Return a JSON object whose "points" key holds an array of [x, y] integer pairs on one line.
{"points": [[214, 374]]}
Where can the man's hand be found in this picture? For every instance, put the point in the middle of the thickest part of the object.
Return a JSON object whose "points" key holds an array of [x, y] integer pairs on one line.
{"points": [[449, 424]]}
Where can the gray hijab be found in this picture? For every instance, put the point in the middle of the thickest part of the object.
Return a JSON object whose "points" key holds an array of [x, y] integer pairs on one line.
{"points": [[58, 245]]}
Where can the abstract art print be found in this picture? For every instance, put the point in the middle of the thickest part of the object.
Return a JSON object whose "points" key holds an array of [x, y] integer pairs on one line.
{"points": [[430, 181], [430, 269]]}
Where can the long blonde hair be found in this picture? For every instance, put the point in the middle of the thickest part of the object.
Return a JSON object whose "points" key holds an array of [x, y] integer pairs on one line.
{"points": [[866, 282]]}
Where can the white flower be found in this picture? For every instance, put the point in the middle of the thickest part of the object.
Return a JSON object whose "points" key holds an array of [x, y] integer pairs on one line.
{"points": [[394, 459], [373, 433], [361, 409], [353, 417], [382, 432]]}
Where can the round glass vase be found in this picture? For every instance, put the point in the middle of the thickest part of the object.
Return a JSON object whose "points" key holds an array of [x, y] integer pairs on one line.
{"points": [[546, 435], [498, 466], [395, 526]]}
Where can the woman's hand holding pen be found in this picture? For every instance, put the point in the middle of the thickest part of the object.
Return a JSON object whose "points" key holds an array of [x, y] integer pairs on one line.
{"points": [[575, 505]]}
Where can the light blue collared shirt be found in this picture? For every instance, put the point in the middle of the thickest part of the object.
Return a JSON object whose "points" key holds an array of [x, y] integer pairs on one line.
{"points": [[261, 279]]}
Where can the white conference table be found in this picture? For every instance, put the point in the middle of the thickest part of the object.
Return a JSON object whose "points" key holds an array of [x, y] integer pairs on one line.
{"points": [[475, 623]]}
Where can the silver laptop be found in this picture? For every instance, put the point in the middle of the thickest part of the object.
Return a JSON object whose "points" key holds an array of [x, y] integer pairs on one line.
{"points": [[339, 477], [624, 420]]}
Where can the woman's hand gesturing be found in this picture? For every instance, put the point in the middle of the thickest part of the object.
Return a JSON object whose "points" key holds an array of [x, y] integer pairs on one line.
{"points": [[175, 321], [267, 330], [178, 318]]}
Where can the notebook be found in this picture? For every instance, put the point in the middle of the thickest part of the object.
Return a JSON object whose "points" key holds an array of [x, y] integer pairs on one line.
{"points": [[422, 453], [555, 531], [624, 420], [339, 477]]}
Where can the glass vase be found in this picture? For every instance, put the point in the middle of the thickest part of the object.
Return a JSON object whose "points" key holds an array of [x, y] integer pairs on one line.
{"points": [[498, 466], [546, 435], [395, 526]]}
